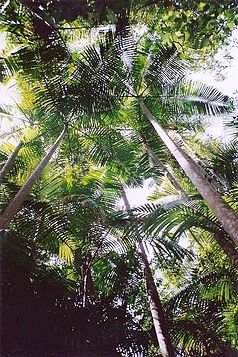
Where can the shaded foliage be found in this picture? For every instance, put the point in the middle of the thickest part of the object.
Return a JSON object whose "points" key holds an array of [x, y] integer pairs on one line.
{"points": [[44, 298]]}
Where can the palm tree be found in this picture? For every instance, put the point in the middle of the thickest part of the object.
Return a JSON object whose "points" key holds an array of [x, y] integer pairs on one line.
{"points": [[84, 261], [156, 309], [107, 88], [162, 82], [223, 211], [22, 194], [44, 297], [207, 299], [10, 162], [69, 222], [162, 78]]}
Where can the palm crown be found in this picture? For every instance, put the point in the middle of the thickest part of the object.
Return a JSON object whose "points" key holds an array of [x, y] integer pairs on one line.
{"points": [[103, 98]]}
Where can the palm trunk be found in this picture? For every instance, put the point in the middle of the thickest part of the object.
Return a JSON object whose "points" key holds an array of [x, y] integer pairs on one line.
{"points": [[24, 191], [227, 247], [221, 240], [167, 172], [156, 308], [9, 163], [225, 183], [40, 14], [225, 214]]}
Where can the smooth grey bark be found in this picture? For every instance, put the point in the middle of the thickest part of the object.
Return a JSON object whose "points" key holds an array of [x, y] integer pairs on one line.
{"points": [[223, 242], [156, 308], [167, 172], [225, 214], [225, 183], [9, 163], [24, 191]]}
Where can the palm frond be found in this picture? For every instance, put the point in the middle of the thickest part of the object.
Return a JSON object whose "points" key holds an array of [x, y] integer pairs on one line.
{"points": [[223, 159], [202, 300], [95, 84], [198, 98], [198, 294], [179, 214], [165, 68]]}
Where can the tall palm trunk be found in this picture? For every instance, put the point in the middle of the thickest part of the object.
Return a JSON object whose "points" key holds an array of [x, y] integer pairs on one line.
{"points": [[214, 173], [156, 308], [24, 191], [227, 246], [167, 172], [9, 163], [225, 214]]}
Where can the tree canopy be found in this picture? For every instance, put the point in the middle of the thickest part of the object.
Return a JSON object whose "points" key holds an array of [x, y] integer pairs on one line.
{"points": [[105, 104]]}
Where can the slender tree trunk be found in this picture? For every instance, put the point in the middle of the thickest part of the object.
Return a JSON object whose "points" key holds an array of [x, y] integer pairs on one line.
{"points": [[24, 191], [167, 172], [227, 247], [225, 214], [87, 287], [223, 242], [9, 163], [156, 308], [40, 14], [225, 183]]}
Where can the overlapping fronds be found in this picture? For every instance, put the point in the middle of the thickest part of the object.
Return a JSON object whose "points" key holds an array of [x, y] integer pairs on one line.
{"points": [[169, 253], [197, 312], [62, 224], [95, 84], [223, 159], [14, 18], [165, 69], [178, 216], [105, 145], [118, 275], [196, 338], [199, 98], [132, 228], [214, 286]]}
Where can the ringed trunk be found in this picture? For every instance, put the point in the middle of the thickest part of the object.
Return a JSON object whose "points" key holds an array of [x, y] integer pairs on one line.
{"points": [[24, 191], [9, 163], [225, 214], [156, 308], [159, 320], [167, 172]]}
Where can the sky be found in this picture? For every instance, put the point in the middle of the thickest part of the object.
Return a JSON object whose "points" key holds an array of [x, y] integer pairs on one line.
{"points": [[230, 84]]}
